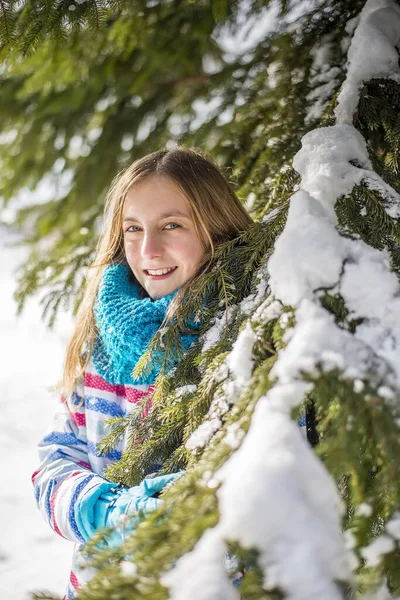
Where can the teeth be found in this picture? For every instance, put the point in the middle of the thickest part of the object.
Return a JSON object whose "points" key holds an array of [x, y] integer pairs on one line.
{"points": [[160, 271]]}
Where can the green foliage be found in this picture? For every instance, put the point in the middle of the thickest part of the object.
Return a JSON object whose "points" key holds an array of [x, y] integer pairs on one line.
{"points": [[357, 425], [24, 26], [360, 447], [43, 596], [150, 550], [378, 120], [367, 214], [81, 110]]}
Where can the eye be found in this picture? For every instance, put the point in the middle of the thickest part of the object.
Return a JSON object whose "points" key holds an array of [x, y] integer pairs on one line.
{"points": [[174, 225], [132, 229]]}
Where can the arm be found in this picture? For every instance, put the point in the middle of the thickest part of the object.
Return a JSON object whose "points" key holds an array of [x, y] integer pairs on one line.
{"points": [[64, 476]]}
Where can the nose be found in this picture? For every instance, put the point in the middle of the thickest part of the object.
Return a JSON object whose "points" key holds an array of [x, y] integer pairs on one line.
{"points": [[151, 246]]}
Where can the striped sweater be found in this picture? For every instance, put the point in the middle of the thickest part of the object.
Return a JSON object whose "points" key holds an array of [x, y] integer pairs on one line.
{"points": [[70, 462]]}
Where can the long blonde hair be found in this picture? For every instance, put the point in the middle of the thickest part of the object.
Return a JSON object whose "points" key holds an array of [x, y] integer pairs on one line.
{"points": [[217, 213]]}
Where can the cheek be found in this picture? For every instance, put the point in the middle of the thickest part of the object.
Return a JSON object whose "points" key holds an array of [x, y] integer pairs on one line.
{"points": [[130, 247], [130, 252], [194, 253]]}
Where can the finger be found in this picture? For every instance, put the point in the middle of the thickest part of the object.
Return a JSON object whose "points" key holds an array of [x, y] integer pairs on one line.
{"points": [[152, 504], [157, 484], [143, 504]]}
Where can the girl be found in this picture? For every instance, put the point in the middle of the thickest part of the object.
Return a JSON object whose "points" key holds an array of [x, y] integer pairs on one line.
{"points": [[164, 216]]}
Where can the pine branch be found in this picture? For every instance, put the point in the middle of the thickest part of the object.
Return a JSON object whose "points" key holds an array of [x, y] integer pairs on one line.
{"points": [[6, 22]]}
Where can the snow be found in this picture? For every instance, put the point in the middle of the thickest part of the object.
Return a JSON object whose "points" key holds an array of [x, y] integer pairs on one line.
{"points": [[250, 201], [376, 37], [234, 435], [204, 573], [380, 545], [240, 360], [281, 460], [316, 343], [248, 304], [381, 594], [364, 510], [128, 569], [313, 255], [272, 214], [203, 434], [32, 557], [393, 527], [307, 252], [358, 386], [215, 332], [270, 309], [249, 31], [270, 520], [323, 163], [323, 78], [240, 363]]}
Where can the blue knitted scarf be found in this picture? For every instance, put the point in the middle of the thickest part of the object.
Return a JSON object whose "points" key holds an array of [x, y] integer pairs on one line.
{"points": [[126, 323]]}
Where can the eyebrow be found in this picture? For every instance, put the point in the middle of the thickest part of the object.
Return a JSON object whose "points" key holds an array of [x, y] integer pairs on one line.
{"points": [[166, 215]]}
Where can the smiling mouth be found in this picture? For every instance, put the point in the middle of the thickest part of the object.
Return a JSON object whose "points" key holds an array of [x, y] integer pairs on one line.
{"points": [[159, 272]]}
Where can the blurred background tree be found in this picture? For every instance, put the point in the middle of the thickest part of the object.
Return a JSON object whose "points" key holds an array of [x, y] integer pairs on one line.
{"points": [[88, 87]]}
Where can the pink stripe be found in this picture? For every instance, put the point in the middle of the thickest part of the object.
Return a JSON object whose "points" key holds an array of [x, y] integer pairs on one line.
{"points": [[52, 508], [147, 407], [34, 476], [79, 419], [74, 474], [131, 394], [84, 464], [74, 581]]}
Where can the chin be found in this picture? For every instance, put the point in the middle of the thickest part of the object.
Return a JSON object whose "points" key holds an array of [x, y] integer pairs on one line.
{"points": [[155, 294]]}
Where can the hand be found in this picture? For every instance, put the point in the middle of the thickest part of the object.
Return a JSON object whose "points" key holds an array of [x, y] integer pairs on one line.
{"points": [[118, 511]]}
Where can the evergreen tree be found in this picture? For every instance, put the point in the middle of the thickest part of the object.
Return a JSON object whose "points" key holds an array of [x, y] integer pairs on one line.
{"points": [[305, 305]]}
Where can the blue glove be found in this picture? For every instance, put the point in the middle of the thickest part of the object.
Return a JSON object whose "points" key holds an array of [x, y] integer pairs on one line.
{"points": [[114, 507]]}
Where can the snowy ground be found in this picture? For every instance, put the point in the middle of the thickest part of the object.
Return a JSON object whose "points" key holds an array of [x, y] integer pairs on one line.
{"points": [[32, 557]]}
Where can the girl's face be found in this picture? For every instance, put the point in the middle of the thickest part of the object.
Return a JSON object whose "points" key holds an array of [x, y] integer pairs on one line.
{"points": [[160, 236]]}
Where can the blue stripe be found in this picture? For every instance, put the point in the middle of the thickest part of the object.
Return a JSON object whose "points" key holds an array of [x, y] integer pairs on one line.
{"points": [[303, 420], [64, 439], [76, 399], [106, 407], [37, 493], [94, 451], [57, 454], [237, 580], [71, 511], [48, 498]]}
